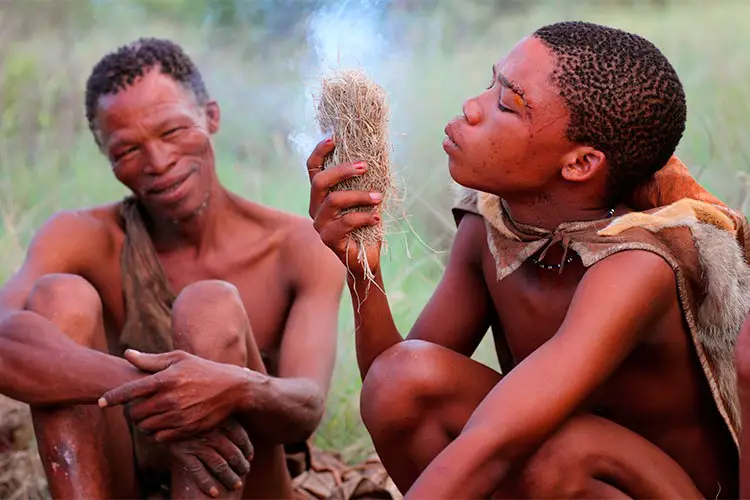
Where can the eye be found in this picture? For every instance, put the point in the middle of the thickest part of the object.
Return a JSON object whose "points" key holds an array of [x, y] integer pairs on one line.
{"points": [[122, 154], [492, 83], [172, 131], [503, 108]]}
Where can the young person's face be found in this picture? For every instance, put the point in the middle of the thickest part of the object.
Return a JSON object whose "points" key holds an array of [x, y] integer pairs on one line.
{"points": [[511, 138], [158, 140]]}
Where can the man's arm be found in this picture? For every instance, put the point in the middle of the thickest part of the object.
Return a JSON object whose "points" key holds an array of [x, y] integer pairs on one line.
{"points": [[288, 408], [187, 395], [618, 301], [39, 364]]}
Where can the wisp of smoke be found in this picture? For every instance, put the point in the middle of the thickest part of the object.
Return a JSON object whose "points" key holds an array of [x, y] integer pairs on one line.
{"points": [[345, 34]]}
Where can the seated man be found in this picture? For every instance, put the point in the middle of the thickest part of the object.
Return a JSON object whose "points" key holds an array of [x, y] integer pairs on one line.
{"points": [[614, 286], [245, 322]]}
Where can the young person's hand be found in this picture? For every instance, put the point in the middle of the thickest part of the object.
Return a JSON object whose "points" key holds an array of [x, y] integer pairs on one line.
{"points": [[326, 209]]}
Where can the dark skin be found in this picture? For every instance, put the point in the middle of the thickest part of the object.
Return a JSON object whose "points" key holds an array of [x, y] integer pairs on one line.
{"points": [[578, 346], [157, 136]]}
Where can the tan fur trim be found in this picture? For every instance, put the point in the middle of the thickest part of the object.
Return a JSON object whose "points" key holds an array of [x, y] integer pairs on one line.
{"points": [[724, 309], [681, 213], [489, 208]]}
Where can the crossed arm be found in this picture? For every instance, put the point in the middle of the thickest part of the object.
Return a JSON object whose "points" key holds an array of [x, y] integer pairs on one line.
{"points": [[32, 348], [617, 301], [280, 409], [187, 395]]}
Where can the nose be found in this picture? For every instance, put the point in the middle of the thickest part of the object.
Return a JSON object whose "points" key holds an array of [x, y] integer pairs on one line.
{"points": [[160, 158], [472, 112]]}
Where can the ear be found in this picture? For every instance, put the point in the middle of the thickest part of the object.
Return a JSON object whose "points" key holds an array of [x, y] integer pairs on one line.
{"points": [[213, 117], [583, 163]]}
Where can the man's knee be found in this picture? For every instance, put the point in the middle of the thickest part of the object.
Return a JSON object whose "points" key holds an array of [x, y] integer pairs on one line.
{"points": [[72, 304], [400, 387], [209, 320]]}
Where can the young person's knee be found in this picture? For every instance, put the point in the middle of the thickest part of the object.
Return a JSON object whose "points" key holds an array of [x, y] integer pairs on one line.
{"points": [[72, 304], [210, 321], [400, 386]]}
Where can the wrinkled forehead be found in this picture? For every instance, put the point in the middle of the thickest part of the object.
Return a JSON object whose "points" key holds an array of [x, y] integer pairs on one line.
{"points": [[530, 65], [153, 95]]}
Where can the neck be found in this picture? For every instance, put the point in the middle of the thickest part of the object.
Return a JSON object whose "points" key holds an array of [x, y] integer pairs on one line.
{"points": [[548, 213], [199, 231]]}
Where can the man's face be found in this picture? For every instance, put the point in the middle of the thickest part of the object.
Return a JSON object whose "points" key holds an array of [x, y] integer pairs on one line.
{"points": [[158, 141], [511, 138]]}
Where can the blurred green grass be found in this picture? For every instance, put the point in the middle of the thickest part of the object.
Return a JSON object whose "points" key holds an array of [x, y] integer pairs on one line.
{"points": [[48, 160]]}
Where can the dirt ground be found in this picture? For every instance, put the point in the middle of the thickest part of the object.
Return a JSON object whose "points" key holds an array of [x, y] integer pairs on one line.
{"points": [[21, 474]]}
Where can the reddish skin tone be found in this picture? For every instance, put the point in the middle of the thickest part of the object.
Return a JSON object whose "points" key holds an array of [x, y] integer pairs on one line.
{"points": [[155, 134], [446, 426]]}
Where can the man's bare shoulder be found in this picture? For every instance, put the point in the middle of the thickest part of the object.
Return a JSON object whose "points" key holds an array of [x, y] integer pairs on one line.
{"points": [[292, 228], [86, 234], [97, 223], [296, 235]]}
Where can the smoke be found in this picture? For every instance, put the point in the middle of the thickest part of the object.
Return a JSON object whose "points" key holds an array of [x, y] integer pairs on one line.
{"points": [[345, 34]]}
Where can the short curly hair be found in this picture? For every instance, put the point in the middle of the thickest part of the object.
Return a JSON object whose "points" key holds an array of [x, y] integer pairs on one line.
{"points": [[119, 69], [624, 98]]}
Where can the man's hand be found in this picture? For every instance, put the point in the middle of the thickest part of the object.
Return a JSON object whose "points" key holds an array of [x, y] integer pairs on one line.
{"points": [[224, 453], [326, 209], [186, 395]]}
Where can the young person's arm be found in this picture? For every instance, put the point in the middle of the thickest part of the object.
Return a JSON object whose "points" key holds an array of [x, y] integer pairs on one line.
{"points": [[618, 301], [459, 313]]}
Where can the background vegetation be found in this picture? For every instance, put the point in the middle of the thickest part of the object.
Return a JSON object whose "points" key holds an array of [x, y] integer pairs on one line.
{"points": [[261, 60]]}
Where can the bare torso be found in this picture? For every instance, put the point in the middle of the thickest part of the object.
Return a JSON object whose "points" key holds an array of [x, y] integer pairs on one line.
{"points": [[250, 256], [659, 392]]}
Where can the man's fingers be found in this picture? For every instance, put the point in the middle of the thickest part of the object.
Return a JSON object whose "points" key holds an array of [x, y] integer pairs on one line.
{"points": [[170, 435], [219, 467], [130, 391], [318, 156], [232, 454], [151, 363], [147, 408], [238, 436], [200, 475], [159, 423], [325, 180]]}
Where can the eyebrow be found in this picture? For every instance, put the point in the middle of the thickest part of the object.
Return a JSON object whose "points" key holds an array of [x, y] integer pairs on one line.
{"points": [[511, 85]]}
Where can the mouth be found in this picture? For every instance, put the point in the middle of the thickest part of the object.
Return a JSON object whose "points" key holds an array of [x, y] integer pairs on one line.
{"points": [[172, 190], [449, 143], [169, 186]]}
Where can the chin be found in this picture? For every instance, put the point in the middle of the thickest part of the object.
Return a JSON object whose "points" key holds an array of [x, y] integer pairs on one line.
{"points": [[459, 175], [185, 209]]}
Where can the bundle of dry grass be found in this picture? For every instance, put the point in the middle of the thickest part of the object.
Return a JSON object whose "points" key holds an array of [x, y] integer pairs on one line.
{"points": [[355, 111]]}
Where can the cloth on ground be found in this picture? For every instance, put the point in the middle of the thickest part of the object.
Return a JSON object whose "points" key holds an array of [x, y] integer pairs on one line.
{"points": [[706, 243], [147, 328]]}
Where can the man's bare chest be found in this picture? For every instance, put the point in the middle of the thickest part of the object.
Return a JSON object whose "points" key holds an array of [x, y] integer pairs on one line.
{"points": [[265, 291]]}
